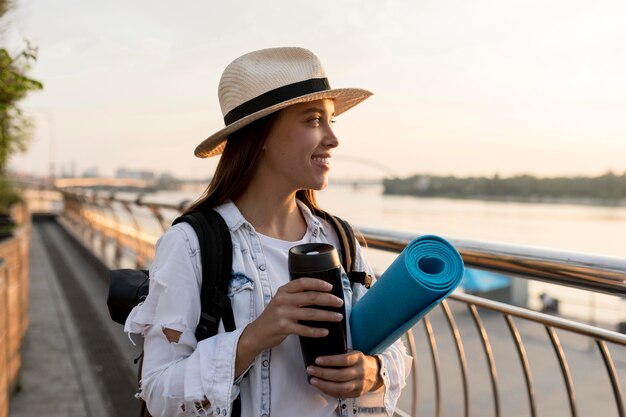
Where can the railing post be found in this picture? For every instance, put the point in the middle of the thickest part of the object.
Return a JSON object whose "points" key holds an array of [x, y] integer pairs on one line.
{"points": [[610, 368], [567, 376], [413, 351], [155, 210], [434, 353], [139, 255], [117, 252], [489, 355], [460, 353], [523, 357]]}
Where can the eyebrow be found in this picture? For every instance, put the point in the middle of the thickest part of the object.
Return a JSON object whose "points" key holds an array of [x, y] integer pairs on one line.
{"points": [[315, 110]]}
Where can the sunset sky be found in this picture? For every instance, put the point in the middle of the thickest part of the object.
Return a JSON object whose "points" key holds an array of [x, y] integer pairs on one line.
{"points": [[461, 87]]}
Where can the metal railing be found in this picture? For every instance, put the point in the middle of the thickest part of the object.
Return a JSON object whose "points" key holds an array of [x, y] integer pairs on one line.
{"points": [[122, 230], [589, 272]]}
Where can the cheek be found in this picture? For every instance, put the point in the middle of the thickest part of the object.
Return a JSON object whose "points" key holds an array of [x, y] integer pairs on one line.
{"points": [[296, 150], [294, 146], [283, 160]]}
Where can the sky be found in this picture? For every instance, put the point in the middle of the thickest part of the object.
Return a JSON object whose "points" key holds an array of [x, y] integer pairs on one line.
{"points": [[461, 87]]}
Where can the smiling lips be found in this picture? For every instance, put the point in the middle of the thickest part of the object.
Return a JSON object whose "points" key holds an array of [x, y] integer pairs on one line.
{"points": [[322, 160]]}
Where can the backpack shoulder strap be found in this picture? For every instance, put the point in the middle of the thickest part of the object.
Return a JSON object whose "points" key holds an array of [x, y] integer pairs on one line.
{"points": [[347, 241], [216, 254]]}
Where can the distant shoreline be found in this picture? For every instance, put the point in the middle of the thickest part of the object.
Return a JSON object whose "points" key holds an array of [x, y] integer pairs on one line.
{"points": [[608, 190], [530, 200]]}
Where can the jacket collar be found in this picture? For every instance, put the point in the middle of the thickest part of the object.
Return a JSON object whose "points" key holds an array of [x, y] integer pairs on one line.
{"points": [[234, 219]]}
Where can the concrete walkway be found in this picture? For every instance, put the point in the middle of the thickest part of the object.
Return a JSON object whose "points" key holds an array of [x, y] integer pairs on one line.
{"points": [[59, 375]]}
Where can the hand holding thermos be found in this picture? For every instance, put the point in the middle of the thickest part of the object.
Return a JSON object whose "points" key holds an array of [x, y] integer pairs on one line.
{"points": [[311, 306], [330, 367], [321, 261]]}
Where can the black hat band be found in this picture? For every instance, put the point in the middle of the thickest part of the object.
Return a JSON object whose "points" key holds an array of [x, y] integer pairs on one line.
{"points": [[276, 96]]}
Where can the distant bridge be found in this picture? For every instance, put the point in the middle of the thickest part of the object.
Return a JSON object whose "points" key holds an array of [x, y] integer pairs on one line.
{"points": [[356, 183], [369, 163]]}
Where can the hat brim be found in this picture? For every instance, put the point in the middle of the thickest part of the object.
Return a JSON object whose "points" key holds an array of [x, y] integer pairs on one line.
{"points": [[344, 98]]}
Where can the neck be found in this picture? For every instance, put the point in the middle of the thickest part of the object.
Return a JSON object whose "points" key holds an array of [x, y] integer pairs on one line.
{"points": [[272, 213]]}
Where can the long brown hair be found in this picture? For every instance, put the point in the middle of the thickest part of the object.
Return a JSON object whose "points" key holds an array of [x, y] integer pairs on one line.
{"points": [[237, 165]]}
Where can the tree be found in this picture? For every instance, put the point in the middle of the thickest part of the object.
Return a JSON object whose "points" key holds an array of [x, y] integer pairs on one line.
{"points": [[14, 123], [14, 86]]}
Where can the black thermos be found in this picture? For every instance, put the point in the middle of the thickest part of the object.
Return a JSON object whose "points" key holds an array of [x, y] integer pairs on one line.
{"points": [[321, 261]]}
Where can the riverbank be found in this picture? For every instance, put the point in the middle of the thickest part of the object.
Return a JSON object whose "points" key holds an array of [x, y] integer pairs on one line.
{"points": [[605, 190], [529, 200]]}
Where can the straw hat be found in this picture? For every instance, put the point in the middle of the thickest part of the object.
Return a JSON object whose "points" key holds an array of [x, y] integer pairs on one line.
{"points": [[262, 82]]}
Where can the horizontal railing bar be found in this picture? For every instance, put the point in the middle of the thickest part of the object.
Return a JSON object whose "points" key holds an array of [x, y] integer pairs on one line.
{"points": [[140, 200], [586, 271], [558, 322]]}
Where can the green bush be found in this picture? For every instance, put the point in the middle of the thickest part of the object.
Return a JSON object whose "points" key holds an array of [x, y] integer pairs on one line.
{"points": [[9, 196]]}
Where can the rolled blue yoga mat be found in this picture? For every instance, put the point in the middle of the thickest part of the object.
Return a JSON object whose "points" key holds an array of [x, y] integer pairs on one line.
{"points": [[425, 273]]}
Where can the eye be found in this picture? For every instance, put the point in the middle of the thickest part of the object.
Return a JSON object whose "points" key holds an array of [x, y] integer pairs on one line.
{"points": [[314, 121], [317, 120]]}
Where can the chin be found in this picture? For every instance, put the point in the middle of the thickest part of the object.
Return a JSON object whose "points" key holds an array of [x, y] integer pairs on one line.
{"points": [[321, 186], [316, 184]]}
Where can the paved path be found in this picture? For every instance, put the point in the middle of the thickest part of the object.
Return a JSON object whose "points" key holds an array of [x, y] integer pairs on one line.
{"points": [[60, 374]]}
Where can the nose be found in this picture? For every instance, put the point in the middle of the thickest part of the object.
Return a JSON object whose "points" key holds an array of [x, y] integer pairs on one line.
{"points": [[330, 139]]}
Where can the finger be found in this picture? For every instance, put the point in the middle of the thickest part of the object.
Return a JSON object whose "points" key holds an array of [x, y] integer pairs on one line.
{"points": [[292, 320], [340, 361], [335, 374], [337, 389], [307, 284], [308, 331], [313, 298], [315, 314], [285, 326]]}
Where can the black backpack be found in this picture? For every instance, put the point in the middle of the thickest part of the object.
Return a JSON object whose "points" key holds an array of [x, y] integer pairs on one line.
{"points": [[129, 287]]}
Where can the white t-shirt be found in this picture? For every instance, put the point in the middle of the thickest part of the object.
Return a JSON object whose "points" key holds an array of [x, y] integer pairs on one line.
{"points": [[287, 372]]}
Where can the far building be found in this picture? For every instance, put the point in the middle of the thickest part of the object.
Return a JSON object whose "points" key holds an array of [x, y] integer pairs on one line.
{"points": [[135, 174], [91, 173]]}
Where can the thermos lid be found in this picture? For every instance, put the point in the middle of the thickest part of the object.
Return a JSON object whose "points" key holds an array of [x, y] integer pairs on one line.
{"points": [[313, 257]]}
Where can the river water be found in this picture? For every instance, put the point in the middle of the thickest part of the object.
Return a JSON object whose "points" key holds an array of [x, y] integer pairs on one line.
{"points": [[579, 228]]}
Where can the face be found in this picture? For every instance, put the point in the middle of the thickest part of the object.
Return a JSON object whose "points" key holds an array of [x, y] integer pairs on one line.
{"points": [[299, 146]]}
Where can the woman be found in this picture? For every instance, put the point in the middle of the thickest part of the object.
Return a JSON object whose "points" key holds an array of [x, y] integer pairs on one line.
{"points": [[277, 145]]}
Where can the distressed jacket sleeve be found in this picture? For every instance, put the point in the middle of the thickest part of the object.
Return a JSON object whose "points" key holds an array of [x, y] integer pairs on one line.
{"points": [[396, 363], [177, 376]]}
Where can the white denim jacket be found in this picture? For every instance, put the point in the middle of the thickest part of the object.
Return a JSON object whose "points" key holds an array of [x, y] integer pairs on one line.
{"points": [[178, 376]]}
